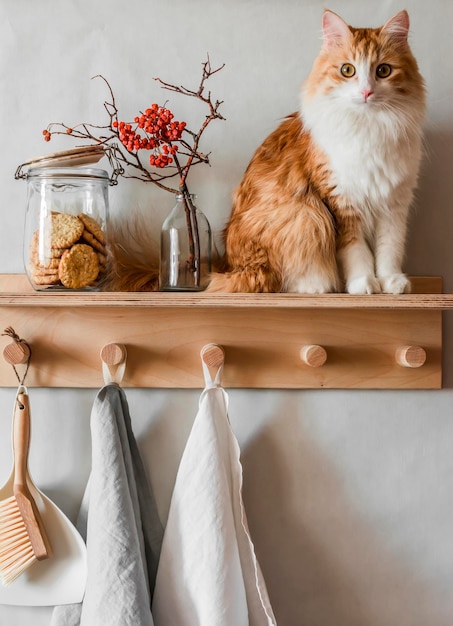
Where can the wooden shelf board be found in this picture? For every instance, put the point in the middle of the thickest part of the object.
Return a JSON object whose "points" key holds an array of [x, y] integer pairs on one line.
{"points": [[16, 290], [262, 335]]}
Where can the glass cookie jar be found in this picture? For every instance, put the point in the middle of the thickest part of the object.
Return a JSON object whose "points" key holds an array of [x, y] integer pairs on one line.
{"points": [[66, 224]]}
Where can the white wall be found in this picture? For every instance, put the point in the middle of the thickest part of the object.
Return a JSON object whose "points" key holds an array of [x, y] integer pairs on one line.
{"points": [[349, 494]]}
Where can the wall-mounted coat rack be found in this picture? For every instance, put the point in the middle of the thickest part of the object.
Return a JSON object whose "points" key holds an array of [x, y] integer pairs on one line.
{"points": [[269, 340]]}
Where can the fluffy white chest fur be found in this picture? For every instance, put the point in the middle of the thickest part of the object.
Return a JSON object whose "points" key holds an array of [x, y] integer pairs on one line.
{"points": [[372, 157]]}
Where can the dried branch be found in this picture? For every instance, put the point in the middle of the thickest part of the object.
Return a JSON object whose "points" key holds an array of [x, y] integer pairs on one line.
{"points": [[194, 153], [130, 157], [155, 132]]}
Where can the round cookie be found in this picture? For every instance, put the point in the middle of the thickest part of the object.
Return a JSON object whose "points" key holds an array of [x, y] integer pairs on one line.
{"points": [[79, 266], [45, 279], [66, 230], [43, 271], [102, 259], [51, 263], [92, 226], [51, 257], [93, 241]]}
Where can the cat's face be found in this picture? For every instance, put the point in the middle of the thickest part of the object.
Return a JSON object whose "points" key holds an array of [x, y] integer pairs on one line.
{"points": [[365, 69]]}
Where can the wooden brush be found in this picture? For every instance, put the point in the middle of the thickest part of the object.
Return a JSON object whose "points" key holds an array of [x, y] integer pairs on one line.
{"points": [[22, 536]]}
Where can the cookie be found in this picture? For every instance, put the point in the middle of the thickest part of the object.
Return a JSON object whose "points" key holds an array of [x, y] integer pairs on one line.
{"points": [[51, 256], [43, 271], [66, 230], [79, 266], [51, 263], [93, 227], [93, 242], [45, 279]]}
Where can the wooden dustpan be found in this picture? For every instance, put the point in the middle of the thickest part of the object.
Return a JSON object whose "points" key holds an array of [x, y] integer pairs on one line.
{"points": [[60, 579]]}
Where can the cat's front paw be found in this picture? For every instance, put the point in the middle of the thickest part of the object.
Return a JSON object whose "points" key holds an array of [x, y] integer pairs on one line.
{"points": [[314, 285], [395, 283], [363, 285]]}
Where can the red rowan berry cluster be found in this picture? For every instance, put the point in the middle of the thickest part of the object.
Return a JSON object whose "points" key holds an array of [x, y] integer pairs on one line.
{"points": [[169, 141], [160, 130]]}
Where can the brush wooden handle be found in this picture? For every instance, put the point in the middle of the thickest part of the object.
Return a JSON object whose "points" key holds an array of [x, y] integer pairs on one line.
{"points": [[28, 509], [21, 440]]}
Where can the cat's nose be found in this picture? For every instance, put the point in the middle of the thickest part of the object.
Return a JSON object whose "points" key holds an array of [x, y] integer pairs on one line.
{"points": [[366, 93]]}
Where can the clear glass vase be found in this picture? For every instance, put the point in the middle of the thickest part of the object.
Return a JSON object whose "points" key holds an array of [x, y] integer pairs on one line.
{"points": [[185, 252]]}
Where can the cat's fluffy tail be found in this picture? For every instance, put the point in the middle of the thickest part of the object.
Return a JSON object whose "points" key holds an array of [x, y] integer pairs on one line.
{"points": [[245, 280], [133, 260]]}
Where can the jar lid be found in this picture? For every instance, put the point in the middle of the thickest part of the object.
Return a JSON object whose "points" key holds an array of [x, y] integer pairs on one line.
{"points": [[84, 155], [47, 173], [71, 160]]}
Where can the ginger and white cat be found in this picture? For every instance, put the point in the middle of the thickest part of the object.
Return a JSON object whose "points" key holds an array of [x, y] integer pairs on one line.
{"points": [[324, 203]]}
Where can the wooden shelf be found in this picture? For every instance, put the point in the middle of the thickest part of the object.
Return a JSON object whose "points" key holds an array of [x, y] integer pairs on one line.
{"points": [[262, 335], [16, 290]]}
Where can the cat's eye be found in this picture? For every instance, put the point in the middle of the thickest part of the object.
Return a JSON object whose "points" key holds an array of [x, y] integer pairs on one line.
{"points": [[348, 70], [383, 70]]}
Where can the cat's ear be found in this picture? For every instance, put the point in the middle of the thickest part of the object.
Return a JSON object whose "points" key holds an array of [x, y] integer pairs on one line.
{"points": [[334, 29], [397, 27]]}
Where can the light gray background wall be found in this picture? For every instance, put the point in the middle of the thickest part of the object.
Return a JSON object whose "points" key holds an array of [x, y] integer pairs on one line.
{"points": [[349, 494]]}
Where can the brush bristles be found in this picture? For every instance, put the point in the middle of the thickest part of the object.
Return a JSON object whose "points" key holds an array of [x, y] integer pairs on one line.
{"points": [[16, 550]]}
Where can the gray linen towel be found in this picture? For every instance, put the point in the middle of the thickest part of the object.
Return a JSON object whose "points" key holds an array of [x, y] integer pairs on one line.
{"points": [[119, 521]]}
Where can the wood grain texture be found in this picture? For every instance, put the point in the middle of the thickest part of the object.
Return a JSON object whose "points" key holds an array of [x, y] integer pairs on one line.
{"points": [[410, 356], [314, 356], [16, 290], [113, 354], [16, 352], [262, 336]]}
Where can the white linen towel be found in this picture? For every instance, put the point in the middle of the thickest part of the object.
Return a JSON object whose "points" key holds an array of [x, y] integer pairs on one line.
{"points": [[119, 521], [208, 574]]}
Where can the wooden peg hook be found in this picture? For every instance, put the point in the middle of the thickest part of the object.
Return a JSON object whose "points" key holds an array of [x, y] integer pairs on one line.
{"points": [[410, 356], [16, 353], [113, 354], [213, 355], [313, 355]]}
